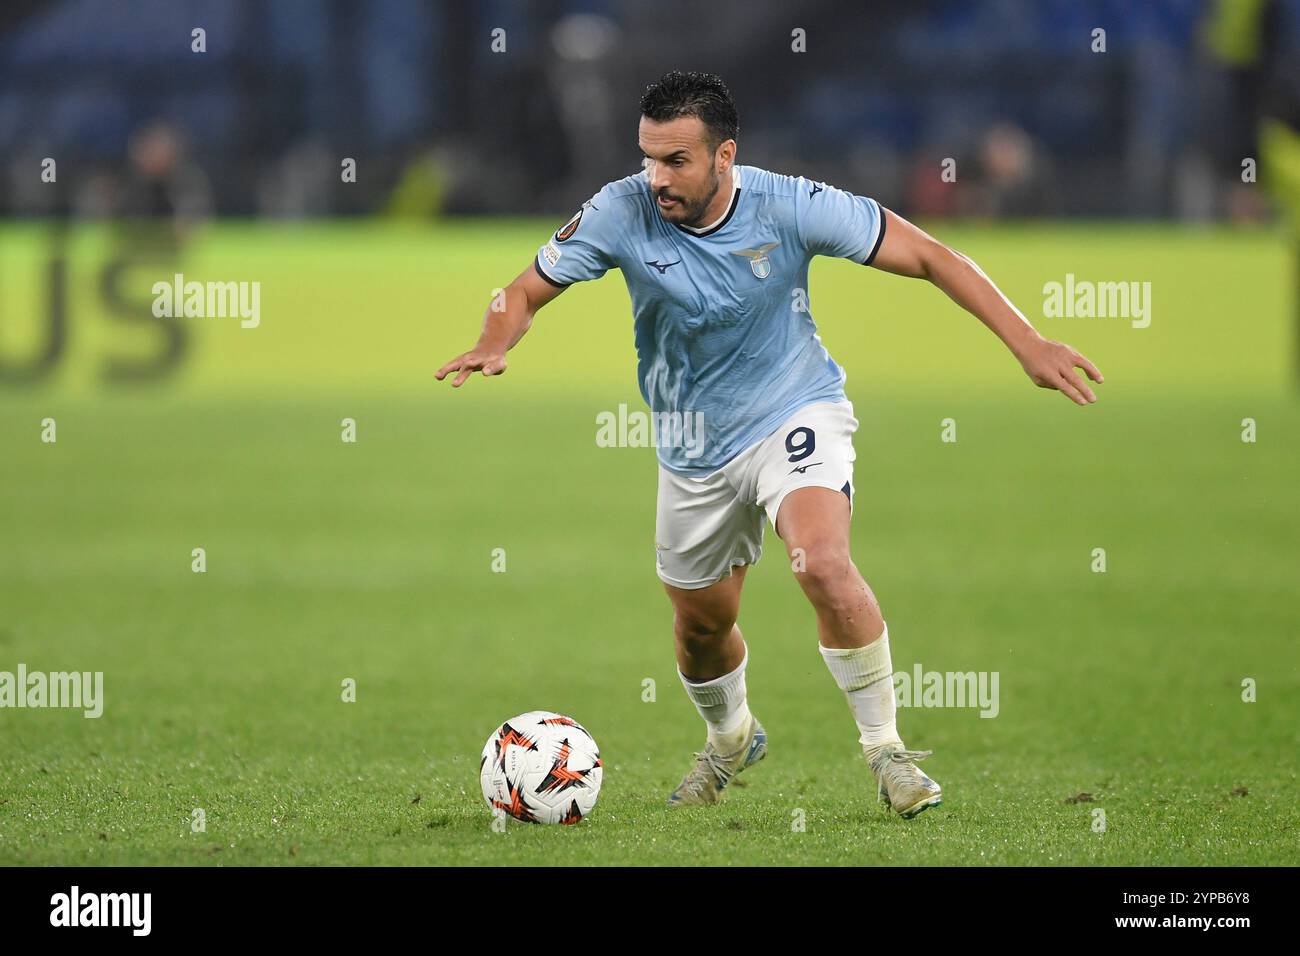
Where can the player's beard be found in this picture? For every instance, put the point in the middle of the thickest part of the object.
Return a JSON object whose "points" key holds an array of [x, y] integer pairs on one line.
{"points": [[694, 211]]}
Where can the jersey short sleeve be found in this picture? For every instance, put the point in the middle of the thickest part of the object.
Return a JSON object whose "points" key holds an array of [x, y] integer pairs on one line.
{"points": [[583, 248], [833, 222]]}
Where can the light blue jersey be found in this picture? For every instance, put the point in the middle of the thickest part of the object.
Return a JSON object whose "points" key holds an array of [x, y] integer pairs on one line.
{"points": [[724, 333]]}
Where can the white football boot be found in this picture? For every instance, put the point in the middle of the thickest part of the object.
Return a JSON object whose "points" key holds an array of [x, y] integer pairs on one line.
{"points": [[900, 783], [713, 771]]}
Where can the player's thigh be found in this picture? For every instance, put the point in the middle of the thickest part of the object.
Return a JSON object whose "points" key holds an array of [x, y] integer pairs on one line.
{"points": [[709, 610], [814, 525]]}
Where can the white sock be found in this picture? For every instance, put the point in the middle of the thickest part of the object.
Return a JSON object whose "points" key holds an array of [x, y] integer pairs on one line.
{"points": [[866, 675], [721, 702]]}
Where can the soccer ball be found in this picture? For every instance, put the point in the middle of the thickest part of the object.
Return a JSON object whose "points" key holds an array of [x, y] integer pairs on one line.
{"points": [[541, 767]]}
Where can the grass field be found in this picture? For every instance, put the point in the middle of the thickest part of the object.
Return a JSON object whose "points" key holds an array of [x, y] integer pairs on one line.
{"points": [[372, 561]]}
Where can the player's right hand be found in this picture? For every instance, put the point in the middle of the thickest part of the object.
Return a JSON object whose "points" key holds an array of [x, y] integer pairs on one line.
{"points": [[1051, 364], [489, 363]]}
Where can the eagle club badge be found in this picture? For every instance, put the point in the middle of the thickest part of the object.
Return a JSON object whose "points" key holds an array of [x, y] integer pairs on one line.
{"points": [[758, 260]]}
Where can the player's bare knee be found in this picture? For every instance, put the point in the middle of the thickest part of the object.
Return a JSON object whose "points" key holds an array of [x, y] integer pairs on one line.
{"points": [[823, 569], [836, 589], [702, 630]]}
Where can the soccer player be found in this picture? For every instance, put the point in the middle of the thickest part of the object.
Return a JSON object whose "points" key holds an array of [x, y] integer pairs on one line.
{"points": [[715, 257]]}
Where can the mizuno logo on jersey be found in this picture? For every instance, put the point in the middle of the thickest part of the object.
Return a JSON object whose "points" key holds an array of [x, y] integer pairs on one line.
{"points": [[815, 190], [662, 266], [758, 260]]}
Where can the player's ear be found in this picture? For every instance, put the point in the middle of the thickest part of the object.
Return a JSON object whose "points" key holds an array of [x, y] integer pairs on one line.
{"points": [[726, 155]]}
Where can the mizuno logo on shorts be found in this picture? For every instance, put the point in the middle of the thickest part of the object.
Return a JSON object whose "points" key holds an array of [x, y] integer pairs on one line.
{"points": [[803, 469]]}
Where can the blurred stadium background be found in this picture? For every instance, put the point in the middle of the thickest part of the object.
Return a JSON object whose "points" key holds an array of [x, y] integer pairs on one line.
{"points": [[329, 560], [463, 113], [1040, 124]]}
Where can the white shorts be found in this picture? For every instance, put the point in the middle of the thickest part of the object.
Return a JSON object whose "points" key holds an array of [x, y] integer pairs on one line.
{"points": [[706, 526]]}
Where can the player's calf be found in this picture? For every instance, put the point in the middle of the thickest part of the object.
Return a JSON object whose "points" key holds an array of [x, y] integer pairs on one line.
{"points": [[848, 614]]}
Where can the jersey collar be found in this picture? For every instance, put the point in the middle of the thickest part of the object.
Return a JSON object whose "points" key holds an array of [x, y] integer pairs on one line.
{"points": [[725, 217]]}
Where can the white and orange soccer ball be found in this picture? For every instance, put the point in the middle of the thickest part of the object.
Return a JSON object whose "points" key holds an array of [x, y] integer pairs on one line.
{"points": [[541, 767]]}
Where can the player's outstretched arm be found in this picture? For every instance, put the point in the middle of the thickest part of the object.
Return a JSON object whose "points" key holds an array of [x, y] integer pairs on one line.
{"points": [[908, 251], [505, 322]]}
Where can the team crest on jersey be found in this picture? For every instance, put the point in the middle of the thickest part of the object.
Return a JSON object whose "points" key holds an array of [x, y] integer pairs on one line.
{"points": [[758, 260]]}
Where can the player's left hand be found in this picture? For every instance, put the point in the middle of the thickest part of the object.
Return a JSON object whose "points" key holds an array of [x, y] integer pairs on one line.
{"points": [[1051, 365]]}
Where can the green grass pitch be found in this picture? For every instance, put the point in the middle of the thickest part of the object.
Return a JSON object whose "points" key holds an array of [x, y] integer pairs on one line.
{"points": [[373, 561]]}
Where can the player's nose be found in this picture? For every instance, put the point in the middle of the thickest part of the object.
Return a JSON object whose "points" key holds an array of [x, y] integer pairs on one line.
{"points": [[658, 181]]}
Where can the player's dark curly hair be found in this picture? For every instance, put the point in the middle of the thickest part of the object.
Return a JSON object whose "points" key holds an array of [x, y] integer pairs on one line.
{"points": [[703, 95]]}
